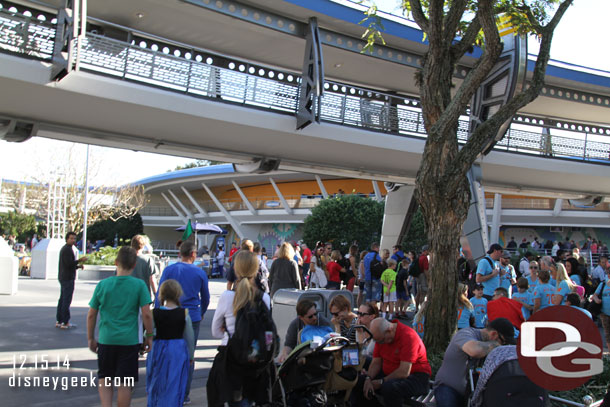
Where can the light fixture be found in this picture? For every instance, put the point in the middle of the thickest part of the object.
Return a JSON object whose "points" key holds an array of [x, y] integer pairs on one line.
{"points": [[139, 15], [338, 65]]}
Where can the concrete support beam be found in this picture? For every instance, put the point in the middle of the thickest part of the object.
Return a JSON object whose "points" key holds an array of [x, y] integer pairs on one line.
{"points": [[232, 221], [202, 211], [287, 207], [494, 236], [180, 214], [397, 204], [245, 199], [321, 185], [189, 214], [557, 207], [377, 191], [475, 227]]}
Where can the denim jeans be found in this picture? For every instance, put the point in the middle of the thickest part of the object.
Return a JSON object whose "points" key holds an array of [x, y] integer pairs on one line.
{"points": [[65, 299], [448, 397], [192, 367]]}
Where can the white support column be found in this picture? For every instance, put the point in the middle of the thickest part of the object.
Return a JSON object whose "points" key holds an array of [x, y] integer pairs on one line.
{"points": [[184, 208], [194, 202], [322, 188], [245, 199], [287, 208], [557, 207], [234, 223], [495, 219], [180, 214], [377, 191]]}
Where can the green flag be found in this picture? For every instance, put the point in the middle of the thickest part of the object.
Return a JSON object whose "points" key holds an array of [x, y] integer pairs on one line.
{"points": [[188, 231]]}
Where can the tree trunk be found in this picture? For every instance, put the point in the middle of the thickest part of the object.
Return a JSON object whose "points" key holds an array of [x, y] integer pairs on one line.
{"points": [[444, 204]]}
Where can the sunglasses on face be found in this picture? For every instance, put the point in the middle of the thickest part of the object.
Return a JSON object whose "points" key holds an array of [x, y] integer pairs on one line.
{"points": [[334, 314], [533, 268], [362, 314], [310, 316]]}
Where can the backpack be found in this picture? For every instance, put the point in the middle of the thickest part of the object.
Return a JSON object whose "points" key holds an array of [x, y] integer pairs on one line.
{"points": [[255, 342], [414, 270], [377, 267]]}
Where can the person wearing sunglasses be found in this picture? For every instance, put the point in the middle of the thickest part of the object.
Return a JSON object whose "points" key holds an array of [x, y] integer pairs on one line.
{"points": [[307, 314], [532, 279], [366, 313], [343, 317], [466, 347]]}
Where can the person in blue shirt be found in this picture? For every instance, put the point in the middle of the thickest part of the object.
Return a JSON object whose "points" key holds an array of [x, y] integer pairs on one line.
{"points": [[196, 294], [398, 254], [564, 285], [604, 299], [480, 307], [372, 286], [532, 279], [525, 297], [573, 300], [465, 314], [543, 291], [488, 271], [508, 277]]}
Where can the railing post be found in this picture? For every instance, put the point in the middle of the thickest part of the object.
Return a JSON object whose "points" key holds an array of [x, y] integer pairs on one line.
{"points": [[584, 150]]}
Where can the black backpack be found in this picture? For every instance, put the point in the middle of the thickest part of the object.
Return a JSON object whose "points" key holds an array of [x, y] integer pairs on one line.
{"points": [[414, 270], [377, 267], [255, 342]]}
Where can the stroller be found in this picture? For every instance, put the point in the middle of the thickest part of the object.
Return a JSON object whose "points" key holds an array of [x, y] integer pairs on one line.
{"points": [[319, 376]]}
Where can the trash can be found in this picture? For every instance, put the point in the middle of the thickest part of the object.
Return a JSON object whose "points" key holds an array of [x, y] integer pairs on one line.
{"points": [[285, 303]]}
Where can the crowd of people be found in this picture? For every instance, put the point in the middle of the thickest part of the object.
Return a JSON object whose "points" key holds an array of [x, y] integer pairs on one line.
{"points": [[489, 316]]}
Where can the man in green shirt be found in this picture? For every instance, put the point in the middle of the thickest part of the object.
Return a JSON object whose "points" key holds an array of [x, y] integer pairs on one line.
{"points": [[118, 299]]}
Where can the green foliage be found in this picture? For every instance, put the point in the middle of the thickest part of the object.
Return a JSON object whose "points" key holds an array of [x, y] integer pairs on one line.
{"points": [[107, 229], [374, 28], [196, 164], [416, 236], [343, 220], [596, 387], [18, 224], [104, 257]]}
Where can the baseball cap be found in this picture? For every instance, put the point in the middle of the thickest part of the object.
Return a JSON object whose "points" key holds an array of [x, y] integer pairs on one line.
{"points": [[505, 329], [493, 248], [424, 248], [506, 255]]}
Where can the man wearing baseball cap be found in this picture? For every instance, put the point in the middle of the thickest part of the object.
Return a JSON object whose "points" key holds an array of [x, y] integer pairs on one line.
{"points": [[488, 271], [467, 346]]}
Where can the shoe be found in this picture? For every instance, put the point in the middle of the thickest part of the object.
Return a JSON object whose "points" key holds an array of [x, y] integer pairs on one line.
{"points": [[67, 326], [57, 324], [187, 400]]}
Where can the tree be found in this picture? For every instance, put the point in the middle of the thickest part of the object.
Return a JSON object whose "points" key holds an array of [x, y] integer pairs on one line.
{"points": [[124, 228], [452, 28], [196, 164], [416, 236], [20, 225], [343, 220]]}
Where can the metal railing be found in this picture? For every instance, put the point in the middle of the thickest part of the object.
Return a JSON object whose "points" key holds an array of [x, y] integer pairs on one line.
{"points": [[198, 74]]}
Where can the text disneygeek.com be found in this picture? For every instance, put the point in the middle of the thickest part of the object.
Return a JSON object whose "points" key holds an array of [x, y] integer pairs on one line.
{"points": [[17, 380]]}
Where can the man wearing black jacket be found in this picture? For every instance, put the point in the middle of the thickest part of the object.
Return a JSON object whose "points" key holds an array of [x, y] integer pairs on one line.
{"points": [[66, 276]]}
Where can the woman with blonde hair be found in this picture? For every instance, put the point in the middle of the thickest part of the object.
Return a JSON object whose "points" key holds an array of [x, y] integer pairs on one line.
{"points": [[238, 390], [465, 314], [565, 285], [532, 279], [284, 272]]}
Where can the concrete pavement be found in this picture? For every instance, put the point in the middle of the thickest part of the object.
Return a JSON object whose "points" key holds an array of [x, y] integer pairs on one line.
{"points": [[28, 337]]}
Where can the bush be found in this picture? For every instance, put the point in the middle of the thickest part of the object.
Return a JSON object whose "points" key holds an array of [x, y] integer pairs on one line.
{"points": [[18, 224], [106, 230], [104, 257]]}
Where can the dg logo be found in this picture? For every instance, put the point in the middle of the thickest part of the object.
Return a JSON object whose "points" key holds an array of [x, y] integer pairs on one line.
{"points": [[560, 348]]}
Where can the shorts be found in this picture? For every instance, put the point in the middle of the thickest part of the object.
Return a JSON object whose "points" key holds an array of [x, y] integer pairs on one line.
{"points": [[373, 290], [361, 285], [117, 361], [391, 297], [402, 296], [422, 284]]}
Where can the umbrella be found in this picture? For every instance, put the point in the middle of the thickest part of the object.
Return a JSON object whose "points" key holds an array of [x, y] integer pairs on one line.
{"points": [[204, 228]]}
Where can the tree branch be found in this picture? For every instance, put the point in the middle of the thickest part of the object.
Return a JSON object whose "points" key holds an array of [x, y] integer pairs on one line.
{"points": [[473, 79], [484, 135], [453, 19], [418, 15], [467, 41]]}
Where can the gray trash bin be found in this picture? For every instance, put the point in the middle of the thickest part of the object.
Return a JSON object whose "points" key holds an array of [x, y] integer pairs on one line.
{"points": [[285, 303]]}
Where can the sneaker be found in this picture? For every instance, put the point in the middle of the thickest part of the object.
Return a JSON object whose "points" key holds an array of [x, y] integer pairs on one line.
{"points": [[187, 400], [57, 324], [67, 326]]}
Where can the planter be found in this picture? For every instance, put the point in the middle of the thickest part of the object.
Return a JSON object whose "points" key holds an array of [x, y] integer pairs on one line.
{"points": [[95, 273]]}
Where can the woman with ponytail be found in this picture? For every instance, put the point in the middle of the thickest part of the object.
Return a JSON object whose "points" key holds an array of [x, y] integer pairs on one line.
{"points": [[223, 384]]}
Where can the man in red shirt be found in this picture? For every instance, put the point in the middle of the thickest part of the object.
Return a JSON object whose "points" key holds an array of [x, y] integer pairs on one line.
{"points": [[399, 369], [233, 250], [423, 278], [503, 307], [306, 255]]}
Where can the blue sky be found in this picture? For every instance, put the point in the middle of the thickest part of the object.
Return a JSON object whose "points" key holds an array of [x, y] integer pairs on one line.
{"points": [[580, 39]]}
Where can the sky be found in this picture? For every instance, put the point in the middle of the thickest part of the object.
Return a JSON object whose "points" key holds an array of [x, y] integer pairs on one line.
{"points": [[580, 39]]}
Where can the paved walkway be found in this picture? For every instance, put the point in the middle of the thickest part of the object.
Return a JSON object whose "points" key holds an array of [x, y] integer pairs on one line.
{"points": [[28, 334]]}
